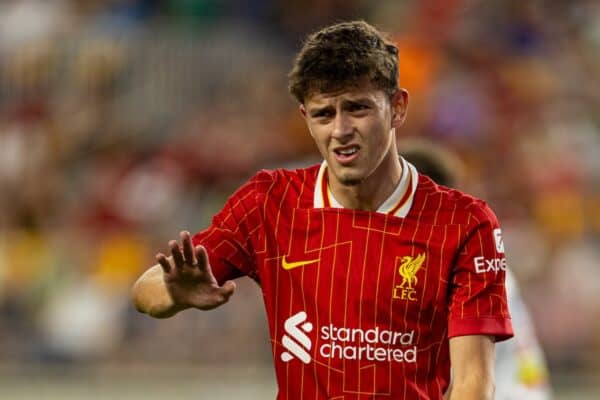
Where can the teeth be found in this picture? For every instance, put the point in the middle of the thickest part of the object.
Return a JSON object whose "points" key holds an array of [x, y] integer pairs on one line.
{"points": [[348, 152]]}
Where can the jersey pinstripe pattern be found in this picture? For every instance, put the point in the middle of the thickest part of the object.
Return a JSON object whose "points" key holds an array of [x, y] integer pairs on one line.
{"points": [[388, 288]]}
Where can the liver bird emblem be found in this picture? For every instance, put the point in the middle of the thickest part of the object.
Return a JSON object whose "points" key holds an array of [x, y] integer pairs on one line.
{"points": [[408, 269]]}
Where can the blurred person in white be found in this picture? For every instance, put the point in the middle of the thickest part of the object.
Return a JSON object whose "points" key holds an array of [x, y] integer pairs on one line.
{"points": [[520, 366]]}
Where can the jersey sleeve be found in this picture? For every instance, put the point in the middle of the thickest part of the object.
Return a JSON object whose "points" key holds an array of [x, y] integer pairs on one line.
{"points": [[230, 239], [478, 303]]}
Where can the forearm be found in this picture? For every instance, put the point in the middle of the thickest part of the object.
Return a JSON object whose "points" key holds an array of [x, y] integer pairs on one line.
{"points": [[150, 295], [472, 360], [475, 388]]}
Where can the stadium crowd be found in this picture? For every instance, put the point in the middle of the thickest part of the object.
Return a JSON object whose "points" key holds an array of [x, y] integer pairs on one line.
{"points": [[122, 122]]}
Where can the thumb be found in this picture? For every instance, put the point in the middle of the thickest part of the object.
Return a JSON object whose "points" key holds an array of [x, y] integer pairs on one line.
{"points": [[227, 289]]}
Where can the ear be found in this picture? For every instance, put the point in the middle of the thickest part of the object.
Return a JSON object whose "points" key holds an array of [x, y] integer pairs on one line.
{"points": [[399, 107], [303, 111]]}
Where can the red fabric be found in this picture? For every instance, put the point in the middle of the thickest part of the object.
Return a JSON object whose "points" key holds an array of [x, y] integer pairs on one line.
{"points": [[499, 327], [364, 329]]}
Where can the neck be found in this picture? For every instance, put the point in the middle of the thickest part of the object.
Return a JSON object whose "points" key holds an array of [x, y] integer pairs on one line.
{"points": [[373, 191]]}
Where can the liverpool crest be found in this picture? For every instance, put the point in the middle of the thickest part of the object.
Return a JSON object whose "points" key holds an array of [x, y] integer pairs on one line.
{"points": [[409, 266]]}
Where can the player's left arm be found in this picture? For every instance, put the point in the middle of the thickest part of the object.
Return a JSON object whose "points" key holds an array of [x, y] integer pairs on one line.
{"points": [[478, 312], [472, 360]]}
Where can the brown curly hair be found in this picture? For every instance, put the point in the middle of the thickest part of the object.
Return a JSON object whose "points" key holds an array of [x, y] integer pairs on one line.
{"points": [[342, 56]]}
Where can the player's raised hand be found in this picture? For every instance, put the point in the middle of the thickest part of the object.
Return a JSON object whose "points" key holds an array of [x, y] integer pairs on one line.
{"points": [[188, 276]]}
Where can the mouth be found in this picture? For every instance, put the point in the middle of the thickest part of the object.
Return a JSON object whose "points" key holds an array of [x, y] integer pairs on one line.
{"points": [[346, 154]]}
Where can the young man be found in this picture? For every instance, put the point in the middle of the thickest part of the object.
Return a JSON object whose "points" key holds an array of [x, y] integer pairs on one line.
{"points": [[374, 278]]}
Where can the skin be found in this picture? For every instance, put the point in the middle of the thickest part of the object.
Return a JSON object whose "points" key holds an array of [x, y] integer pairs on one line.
{"points": [[472, 359], [183, 280], [362, 118]]}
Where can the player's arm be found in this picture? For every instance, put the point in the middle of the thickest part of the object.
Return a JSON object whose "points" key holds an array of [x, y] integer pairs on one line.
{"points": [[150, 295], [472, 360], [183, 280]]}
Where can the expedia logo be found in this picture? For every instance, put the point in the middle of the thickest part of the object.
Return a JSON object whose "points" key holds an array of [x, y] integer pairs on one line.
{"points": [[295, 340], [483, 265], [408, 269]]}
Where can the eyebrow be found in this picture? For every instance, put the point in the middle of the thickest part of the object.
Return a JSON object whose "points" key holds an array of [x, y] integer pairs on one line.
{"points": [[358, 100], [363, 99]]}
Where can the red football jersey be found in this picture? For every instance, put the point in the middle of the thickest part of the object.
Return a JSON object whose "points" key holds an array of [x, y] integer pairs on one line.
{"points": [[361, 304]]}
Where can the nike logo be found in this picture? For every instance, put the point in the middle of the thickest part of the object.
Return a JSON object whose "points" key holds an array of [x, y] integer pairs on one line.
{"points": [[291, 265]]}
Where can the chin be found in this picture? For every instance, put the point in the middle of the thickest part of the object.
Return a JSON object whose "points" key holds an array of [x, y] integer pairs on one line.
{"points": [[348, 175], [350, 179], [351, 182]]}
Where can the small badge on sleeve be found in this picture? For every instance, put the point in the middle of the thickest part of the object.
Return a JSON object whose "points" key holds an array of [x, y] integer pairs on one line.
{"points": [[498, 240]]}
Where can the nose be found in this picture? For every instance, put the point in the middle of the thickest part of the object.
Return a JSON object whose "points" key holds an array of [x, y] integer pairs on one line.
{"points": [[342, 126]]}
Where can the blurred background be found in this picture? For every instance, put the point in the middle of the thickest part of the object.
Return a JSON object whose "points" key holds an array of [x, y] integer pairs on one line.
{"points": [[124, 121]]}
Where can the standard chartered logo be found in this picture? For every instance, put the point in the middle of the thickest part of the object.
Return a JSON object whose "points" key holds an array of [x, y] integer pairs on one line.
{"points": [[295, 340], [361, 344], [347, 343]]}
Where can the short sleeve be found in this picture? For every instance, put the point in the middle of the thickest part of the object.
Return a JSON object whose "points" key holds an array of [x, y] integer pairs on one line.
{"points": [[229, 240], [478, 303]]}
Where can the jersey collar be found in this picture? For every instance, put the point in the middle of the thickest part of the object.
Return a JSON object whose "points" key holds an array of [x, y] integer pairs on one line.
{"points": [[398, 204]]}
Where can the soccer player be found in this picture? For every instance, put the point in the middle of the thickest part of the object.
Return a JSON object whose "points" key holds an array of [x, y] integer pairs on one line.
{"points": [[521, 371], [375, 279]]}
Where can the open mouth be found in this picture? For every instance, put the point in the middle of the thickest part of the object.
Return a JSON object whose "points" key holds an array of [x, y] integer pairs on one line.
{"points": [[346, 154]]}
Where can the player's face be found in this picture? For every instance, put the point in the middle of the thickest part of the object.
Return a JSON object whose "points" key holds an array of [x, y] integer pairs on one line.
{"points": [[354, 130]]}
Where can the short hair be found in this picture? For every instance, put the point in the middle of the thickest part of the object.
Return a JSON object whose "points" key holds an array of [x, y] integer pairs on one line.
{"points": [[342, 56]]}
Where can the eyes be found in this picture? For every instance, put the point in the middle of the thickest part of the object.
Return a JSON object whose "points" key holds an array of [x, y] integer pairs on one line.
{"points": [[355, 108], [323, 113]]}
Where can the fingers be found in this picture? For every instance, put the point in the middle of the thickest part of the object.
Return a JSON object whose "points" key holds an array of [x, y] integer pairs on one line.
{"points": [[224, 291], [201, 256], [187, 254], [164, 262], [176, 252], [188, 248]]}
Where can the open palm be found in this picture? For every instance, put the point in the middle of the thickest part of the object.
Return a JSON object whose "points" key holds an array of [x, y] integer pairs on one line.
{"points": [[188, 276]]}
